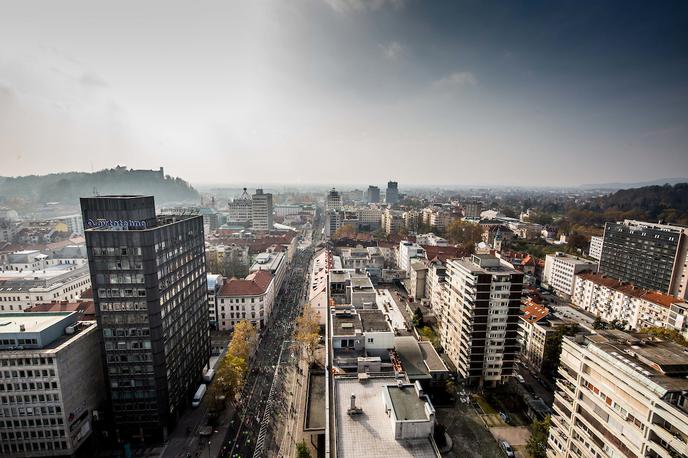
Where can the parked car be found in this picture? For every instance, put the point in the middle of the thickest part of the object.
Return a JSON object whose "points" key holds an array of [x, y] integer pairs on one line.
{"points": [[505, 416], [506, 448], [520, 378]]}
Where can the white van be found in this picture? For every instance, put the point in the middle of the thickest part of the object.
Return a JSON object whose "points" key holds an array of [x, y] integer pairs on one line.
{"points": [[200, 392], [208, 375]]}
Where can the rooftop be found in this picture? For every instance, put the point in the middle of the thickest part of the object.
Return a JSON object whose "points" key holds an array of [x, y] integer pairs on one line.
{"points": [[345, 323], [644, 357], [32, 322], [374, 321], [254, 284], [534, 312], [370, 434], [406, 403], [628, 289]]}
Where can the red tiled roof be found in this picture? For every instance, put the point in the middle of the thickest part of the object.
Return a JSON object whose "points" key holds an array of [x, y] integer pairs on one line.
{"points": [[534, 312], [628, 289], [86, 308], [254, 284], [443, 253]]}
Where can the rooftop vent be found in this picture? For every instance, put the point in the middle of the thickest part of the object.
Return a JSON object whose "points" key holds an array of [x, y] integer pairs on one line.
{"points": [[353, 410]]}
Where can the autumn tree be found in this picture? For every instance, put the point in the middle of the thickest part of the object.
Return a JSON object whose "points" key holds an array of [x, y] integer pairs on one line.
{"points": [[308, 332], [347, 231], [230, 374], [463, 232], [671, 335]]}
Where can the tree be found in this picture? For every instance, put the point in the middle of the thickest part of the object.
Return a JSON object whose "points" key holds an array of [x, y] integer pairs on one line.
{"points": [[302, 450], [599, 323], [347, 231], [430, 335], [537, 444], [308, 332], [418, 318], [243, 340], [671, 335], [550, 359], [463, 232]]}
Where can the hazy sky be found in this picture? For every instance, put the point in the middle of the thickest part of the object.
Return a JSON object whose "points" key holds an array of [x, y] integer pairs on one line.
{"points": [[337, 91]]}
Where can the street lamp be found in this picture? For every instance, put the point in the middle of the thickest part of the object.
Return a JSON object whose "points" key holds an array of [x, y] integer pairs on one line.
{"points": [[209, 442]]}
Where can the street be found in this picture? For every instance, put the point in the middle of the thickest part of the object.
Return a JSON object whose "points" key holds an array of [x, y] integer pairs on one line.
{"points": [[242, 434]]}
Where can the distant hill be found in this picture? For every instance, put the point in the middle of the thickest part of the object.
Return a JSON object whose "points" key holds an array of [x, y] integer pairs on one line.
{"points": [[650, 203], [69, 187], [615, 186]]}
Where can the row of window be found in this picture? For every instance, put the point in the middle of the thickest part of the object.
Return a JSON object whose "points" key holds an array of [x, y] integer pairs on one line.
{"points": [[41, 446], [30, 399], [28, 373], [31, 422], [26, 361], [30, 411], [26, 386]]}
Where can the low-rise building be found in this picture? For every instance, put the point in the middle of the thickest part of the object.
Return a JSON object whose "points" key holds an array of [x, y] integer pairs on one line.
{"points": [[561, 269], [274, 262], [536, 326], [620, 394], [249, 299], [21, 289], [381, 416], [431, 239], [51, 382]]}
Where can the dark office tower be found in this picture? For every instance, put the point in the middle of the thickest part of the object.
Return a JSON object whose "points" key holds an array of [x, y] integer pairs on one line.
{"points": [[373, 195], [649, 255], [149, 287], [392, 196]]}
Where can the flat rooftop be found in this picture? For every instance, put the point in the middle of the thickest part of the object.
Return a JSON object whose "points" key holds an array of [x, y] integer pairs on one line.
{"points": [[33, 322], [345, 323], [660, 362], [406, 403], [370, 434], [374, 321], [488, 264], [361, 283], [48, 273]]}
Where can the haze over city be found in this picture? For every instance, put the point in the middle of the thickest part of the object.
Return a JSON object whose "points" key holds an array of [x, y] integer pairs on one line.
{"points": [[452, 92]]}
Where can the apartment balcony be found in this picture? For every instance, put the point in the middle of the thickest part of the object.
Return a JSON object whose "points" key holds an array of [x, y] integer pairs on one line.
{"points": [[564, 398], [567, 387], [672, 437]]}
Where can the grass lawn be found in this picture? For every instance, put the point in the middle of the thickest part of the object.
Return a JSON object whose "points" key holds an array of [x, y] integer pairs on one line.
{"points": [[484, 405]]}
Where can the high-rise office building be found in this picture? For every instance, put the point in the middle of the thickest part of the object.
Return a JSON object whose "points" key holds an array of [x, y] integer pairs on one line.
{"points": [[648, 255], [333, 200], [373, 195], [479, 322], [261, 211], [392, 195], [472, 209], [149, 287]]}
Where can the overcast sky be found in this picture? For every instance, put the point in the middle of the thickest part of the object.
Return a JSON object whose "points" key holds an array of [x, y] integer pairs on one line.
{"points": [[347, 91]]}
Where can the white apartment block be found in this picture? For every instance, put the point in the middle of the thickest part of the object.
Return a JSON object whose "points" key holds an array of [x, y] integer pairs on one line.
{"points": [[611, 299], [261, 211], [51, 381], [561, 269], [479, 326], [431, 240], [249, 299], [409, 252], [20, 290], [595, 250], [620, 395], [435, 280], [273, 262]]}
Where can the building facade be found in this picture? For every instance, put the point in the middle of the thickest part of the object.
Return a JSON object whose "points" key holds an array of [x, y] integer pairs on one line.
{"points": [[622, 395], [333, 200], [392, 194], [46, 408], [150, 292], [479, 328], [595, 249], [561, 269], [648, 255], [261, 211], [249, 299], [373, 195]]}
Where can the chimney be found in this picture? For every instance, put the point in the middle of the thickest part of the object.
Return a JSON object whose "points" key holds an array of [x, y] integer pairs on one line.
{"points": [[353, 402], [22, 328]]}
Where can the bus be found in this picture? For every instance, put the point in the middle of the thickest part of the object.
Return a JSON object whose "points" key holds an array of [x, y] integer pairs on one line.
{"points": [[200, 392]]}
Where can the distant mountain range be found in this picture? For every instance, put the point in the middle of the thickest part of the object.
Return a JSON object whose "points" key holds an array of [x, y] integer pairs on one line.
{"points": [[68, 187], [615, 186]]}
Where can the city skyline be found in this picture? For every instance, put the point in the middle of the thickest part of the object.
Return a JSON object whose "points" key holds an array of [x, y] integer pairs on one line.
{"points": [[489, 92]]}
